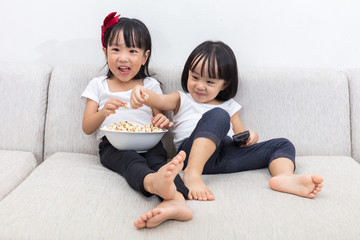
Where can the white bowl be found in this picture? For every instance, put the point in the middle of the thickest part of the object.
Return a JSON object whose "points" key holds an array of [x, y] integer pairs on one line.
{"points": [[137, 141]]}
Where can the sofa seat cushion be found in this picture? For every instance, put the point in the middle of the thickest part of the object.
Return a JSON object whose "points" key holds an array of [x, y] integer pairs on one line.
{"points": [[15, 166], [71, 196]]}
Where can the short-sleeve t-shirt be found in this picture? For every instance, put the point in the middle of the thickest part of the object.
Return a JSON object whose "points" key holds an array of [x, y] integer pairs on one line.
{"points": [[98, 91], [190, 112]]}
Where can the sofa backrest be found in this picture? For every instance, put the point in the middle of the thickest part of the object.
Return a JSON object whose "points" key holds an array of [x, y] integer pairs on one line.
{"points": [[354, 82], [310, 107], [23, 93], [63, 131]]}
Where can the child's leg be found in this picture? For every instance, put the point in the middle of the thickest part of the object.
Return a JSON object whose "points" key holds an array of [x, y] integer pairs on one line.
{"points": [[156, 158], [129, 164], [174, 209], [134, 168], [276, 154], [161, 182], [200, 152], [200, 146], [284, 179]]}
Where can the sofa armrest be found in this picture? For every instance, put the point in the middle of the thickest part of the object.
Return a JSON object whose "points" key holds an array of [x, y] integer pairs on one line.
{"points": [[354, 84], [15, 166]]}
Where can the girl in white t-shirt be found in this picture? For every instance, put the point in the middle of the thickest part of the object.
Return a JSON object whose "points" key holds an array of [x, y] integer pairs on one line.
{"points": [[127, 47], [205, 118]]}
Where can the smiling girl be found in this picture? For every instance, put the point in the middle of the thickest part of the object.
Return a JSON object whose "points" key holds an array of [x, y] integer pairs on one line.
{"points": [[127, 48]]}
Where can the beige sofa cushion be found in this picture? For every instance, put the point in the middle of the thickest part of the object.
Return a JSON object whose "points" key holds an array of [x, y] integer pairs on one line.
{"points": [[310, 107], [71, 196], [23, 91], [298, 104], [15, 166], [65, 110]]}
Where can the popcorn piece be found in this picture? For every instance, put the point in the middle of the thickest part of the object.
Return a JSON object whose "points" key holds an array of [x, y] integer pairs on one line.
{"points": [[126, 105], [125, 126], [146, 97]]}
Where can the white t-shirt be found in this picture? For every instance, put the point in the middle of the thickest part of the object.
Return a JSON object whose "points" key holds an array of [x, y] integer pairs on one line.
{"points": [[98, 91], [190, 112]]}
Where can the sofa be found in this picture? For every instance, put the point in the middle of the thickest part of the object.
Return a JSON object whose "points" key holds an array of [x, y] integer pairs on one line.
{"points": [[54, 187]]}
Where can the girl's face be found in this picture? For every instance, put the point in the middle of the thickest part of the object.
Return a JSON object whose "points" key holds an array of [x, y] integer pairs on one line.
{"points": [[202, 88], [125, 62]]}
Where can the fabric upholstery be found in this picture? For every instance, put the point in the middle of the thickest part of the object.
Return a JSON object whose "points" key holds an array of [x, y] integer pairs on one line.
{"points": [[354, 84], [15, 166], [65, 110], [290, 103], [23, 93], [309, 107], [71, 196]]}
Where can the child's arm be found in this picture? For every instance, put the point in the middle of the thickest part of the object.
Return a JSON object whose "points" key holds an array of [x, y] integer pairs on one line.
{"points": [[93, 118], [238, 127], [164, 102]]}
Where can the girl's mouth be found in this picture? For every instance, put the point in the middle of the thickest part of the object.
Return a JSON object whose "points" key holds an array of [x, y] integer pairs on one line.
{"points": [[124, 70], [199, 94]]}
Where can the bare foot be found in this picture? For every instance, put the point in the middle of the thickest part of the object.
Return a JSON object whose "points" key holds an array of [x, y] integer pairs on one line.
{"points": [[301, 185], [167, 210], [161, 182], [197, 188]]}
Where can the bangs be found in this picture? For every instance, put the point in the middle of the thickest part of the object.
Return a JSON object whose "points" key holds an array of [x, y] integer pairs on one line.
{"points": [[134, 38], [213, 64]]}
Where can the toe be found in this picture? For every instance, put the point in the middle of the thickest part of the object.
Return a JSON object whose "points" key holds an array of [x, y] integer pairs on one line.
{"points": [[210, 196], [195, 196], [149, 215], [204, 196], [190, 197], [311, 195]]}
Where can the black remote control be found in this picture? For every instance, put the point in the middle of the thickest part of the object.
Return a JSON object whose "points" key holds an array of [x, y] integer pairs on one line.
{"points": [[241, 138]]}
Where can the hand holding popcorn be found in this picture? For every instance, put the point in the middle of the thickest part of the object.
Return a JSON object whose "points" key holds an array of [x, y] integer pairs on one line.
{"points": [[112, 105], [138, 97]]}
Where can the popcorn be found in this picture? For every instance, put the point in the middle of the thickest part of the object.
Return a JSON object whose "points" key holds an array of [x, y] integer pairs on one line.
{"points": [[146, 97], [125, 126], [126, 105]]}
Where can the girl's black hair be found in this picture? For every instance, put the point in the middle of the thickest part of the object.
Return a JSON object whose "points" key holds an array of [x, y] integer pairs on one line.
{"points": [[221, 64], [136, 34]]}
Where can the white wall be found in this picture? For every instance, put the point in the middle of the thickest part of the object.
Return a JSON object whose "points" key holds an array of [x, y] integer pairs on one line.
{"points": [[262, 33]]}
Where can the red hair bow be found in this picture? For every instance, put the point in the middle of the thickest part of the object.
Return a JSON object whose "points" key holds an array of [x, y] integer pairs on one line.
{"points": [[109, 21]]}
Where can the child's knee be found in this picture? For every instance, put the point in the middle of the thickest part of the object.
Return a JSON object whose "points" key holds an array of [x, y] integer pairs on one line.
{"points": [[287, 146], [219, 114]]}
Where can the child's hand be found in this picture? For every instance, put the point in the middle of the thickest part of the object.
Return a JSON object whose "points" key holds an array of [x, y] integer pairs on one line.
{"points": [[160, 120], [111, 106], [138, 97], [253, 138]]}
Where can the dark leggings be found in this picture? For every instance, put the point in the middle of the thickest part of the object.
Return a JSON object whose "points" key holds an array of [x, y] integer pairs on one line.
{"points": [[135, 166], [229, 157]]}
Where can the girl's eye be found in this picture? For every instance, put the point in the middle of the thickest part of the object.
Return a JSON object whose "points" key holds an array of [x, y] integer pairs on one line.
{"points": [[194, 77], [210, 82], [133, 51], [116, 49]]}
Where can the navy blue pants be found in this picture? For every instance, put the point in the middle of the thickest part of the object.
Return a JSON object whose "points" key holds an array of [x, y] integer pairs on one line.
{"points": [[228, 156], [135, 166]]}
